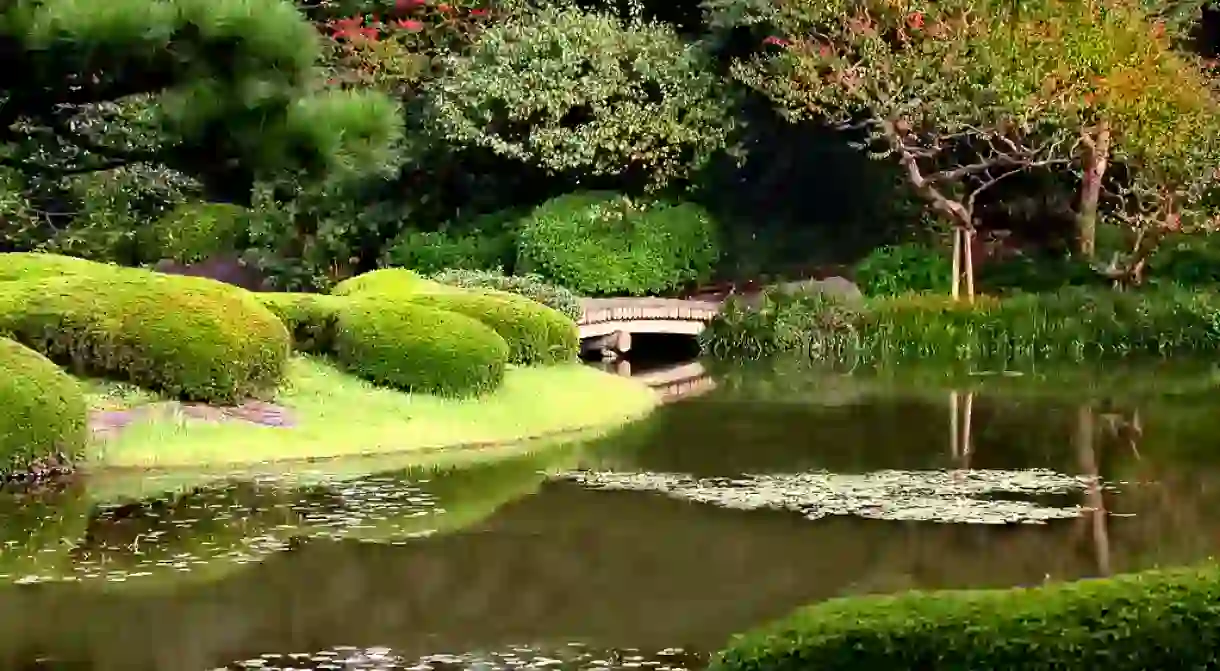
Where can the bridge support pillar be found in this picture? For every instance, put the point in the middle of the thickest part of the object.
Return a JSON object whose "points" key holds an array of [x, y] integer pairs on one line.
{"points": [[611, 346], [622, 341]]}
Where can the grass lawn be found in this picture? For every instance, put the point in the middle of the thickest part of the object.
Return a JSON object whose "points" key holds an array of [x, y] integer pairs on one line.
{"points": [[338, 415]]}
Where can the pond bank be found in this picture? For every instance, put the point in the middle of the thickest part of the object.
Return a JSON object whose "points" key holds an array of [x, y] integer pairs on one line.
{"points": [[324, 413]]}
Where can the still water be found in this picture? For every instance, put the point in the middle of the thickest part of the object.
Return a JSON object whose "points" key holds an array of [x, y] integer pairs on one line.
{"points": [[923, 480]]}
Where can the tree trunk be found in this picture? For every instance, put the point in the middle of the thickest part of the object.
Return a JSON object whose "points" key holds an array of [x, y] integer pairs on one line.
{"points": [[1096, 159]]}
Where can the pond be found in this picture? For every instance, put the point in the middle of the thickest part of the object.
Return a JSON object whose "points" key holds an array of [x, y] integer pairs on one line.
{"points": [[644, 550]]}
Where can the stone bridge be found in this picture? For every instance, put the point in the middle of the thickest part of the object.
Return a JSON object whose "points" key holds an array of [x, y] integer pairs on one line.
{"points": [[609, 323]]}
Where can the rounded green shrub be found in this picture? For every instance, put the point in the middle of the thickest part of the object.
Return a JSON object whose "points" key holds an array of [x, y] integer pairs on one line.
{"points": [[193, 232], [434, 251], [1150, 620], [36, 265], [532, 287], [600, 243], [42, 409], [185, 336], [535, 333], [419, 349], [396, 281], [310, 318], [906, 268]]}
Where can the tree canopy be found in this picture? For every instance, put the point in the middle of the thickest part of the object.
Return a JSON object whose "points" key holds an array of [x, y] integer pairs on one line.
{"points": [[226, 91]]}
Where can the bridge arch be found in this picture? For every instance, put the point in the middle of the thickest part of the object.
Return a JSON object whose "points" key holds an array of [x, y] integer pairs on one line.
{"points": [[609, 323]]}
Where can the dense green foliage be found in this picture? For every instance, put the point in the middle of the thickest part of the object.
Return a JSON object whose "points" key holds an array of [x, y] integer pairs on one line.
{"points": [[432, 252], [597, 243], [532, 287], [419, 349], [1071, 324], [194, 232], [42, 409], [1151, 620], [570, 90], [535, 333], [225, 91], [187, 337], [900, 269]]}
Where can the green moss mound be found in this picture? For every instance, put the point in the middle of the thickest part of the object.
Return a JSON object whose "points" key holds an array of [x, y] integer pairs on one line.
{"points": [[1150, 620], [188, 337], [34, 266], [420, 349], [42, 409], [535, 333], [310, 318], [397, 281], [532, 287]]}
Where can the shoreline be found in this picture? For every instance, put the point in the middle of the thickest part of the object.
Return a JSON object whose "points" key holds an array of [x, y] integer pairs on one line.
{"points": [[339, 417]]}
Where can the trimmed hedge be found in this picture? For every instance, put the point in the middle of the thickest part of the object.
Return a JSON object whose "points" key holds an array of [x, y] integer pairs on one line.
{"points": [[386, 280], [535, 333], [532, 287], [419, 349], [310, 318], [1153, 620], [36, 266], [42, 409], [602, 243], [188, 337]]}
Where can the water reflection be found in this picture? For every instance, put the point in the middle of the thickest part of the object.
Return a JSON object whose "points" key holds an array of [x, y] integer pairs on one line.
{"points": [[495, 566]]}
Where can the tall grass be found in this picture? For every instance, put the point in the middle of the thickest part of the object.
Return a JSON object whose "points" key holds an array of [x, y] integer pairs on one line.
{"points": [[1073, 324]]}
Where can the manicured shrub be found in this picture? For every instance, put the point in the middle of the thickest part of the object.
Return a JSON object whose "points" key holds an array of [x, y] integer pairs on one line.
{"points": [[1150, 620], [906, 268], [35, 265], [532, 287], [535, 333], [310, 318], [42, 409], [419, 349], [429, 252], [185, 336], [193, 232], [600, 243], [398, 281]]}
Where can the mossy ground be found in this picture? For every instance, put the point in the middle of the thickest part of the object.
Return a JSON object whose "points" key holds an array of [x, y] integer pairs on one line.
{"points": [[339, 415]]}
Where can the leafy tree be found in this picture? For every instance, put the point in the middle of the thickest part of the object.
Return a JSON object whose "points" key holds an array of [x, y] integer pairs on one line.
{"points": [[966, 93], [580, 92], [226, 91]]}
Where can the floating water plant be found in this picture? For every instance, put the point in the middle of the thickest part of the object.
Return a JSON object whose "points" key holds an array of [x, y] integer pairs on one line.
{"points": [[951, 497]]}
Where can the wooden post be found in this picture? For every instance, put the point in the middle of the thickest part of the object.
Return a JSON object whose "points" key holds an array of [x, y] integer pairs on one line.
{"points": [[969, 252], [957, 262]]}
